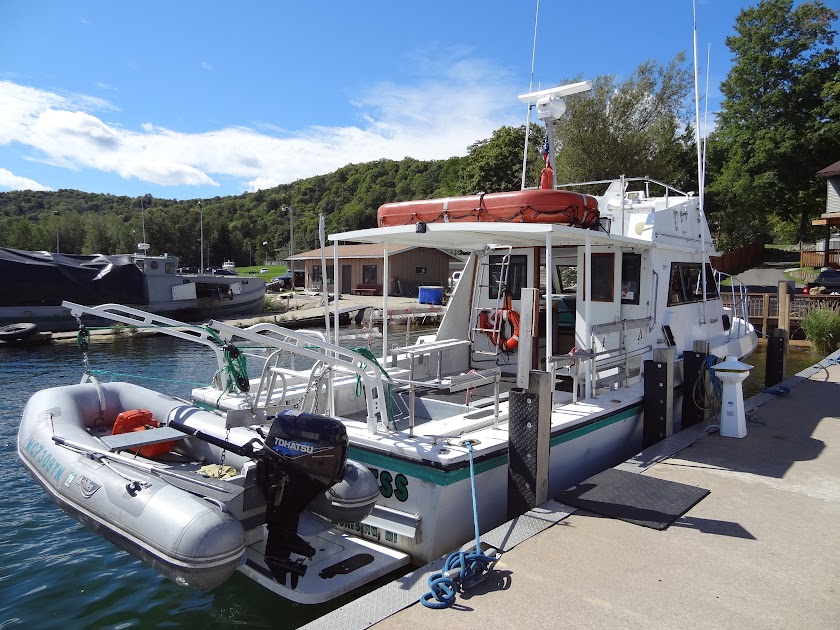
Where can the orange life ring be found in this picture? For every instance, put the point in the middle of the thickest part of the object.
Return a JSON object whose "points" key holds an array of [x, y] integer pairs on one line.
{"points": [[506, 344], [140, 420]]}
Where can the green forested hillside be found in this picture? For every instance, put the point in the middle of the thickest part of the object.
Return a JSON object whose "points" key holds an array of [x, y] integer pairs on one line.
{"points": [[254, 227], [235, 228]]}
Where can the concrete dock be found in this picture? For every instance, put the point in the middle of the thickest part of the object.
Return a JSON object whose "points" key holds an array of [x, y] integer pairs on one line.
{"points": [[761, 551]]}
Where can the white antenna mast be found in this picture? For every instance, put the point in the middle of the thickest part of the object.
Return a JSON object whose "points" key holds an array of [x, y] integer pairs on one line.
{"points": [[530, 87], [701, 217], [706, 123]]}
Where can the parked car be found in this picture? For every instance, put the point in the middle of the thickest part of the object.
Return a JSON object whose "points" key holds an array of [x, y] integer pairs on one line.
{"points": [[217, 271], [264, 270], [285, 281], [827, 282], [187, 270]]}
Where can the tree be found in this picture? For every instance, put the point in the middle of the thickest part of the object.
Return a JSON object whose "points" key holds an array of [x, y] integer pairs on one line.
{"points": [[631, 127], [495, 165], [779, 121]]}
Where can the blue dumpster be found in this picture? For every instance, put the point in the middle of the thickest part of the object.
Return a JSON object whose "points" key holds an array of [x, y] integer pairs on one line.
{"points": [[431, 295]]}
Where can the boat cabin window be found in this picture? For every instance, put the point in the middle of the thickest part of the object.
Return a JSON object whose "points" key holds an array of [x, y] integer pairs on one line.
{"points": [[316, 274], [369, 274], [631, 277], [169, 267], [565, 279], [516, 276], [603, 272], [686, 285]]}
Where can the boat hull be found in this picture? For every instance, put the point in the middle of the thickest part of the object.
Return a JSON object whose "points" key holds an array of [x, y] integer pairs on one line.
{"points": [[439, 500], [58, 318], [522, 206]]}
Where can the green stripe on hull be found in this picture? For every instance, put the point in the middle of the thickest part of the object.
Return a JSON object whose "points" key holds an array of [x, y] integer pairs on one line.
{"points": [[589, 428], [446, 478]]}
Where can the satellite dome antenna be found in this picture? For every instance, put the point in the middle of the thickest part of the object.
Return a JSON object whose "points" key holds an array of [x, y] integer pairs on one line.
{"points": [[551, 106]]}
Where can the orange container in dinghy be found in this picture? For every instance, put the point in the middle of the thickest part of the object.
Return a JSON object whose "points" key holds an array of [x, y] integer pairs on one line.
{"points": [[140, 420], [521, 206]]}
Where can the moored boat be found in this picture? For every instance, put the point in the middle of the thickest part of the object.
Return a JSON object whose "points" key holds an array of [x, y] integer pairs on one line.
{"points": [[582, 304], [37, 282], [197, 498]]}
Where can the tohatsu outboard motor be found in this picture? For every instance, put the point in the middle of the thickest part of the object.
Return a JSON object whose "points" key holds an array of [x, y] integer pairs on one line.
{"points": [[308, 456]]}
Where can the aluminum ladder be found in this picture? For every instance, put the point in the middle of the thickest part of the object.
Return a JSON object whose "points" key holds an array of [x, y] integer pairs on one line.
{"points": [[485, 281]]}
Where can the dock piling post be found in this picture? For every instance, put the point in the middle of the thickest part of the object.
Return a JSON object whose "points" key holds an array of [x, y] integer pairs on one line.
{"points": [[777, 345], [529, 435], [659, 396], [693, 364]]}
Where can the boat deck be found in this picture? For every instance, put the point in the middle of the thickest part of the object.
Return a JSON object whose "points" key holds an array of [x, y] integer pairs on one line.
{"points": [[760, 551]]}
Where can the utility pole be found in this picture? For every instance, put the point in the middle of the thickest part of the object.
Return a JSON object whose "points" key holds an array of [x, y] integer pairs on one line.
{"points": [[57, 214], [201, 236], [291, 244]]}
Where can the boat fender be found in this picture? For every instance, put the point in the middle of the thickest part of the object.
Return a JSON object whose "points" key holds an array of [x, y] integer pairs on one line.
{"points": [[140, 420], [507, 343]]}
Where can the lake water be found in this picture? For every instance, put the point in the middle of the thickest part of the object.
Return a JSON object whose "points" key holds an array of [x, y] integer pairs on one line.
{"points": [[798, 359], [55, 573]]}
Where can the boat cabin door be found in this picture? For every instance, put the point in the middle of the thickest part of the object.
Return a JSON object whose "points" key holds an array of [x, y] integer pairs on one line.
{"points": [[607, 323]]}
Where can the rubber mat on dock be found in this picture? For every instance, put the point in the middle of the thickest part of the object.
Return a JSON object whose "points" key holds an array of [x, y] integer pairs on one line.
{"points": [[634, 498]]}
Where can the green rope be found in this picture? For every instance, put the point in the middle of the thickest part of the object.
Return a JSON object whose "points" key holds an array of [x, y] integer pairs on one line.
{"points": [[83, 339], [235, 364], [365, 352]]}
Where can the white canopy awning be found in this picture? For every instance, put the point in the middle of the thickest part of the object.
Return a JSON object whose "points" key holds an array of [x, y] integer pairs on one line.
{"points": [[476, 236]]}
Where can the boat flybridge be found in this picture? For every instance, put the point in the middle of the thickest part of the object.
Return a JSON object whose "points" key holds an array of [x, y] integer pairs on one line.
{"points": [[561, 286]]}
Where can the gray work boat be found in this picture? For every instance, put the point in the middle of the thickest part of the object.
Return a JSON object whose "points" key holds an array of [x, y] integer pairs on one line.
{"points": [[37, 282]]}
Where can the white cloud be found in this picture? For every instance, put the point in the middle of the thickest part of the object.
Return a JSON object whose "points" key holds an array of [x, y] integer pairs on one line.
{"points": [[434, 118], [206, 65], [10, 181]]}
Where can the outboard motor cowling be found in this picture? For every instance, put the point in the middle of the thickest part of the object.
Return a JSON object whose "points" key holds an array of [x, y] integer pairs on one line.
{"points": [[315, 446], [308, 455]]}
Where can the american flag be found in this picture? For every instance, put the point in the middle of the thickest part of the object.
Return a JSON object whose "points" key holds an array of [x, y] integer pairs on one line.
{"points": [[545, 150]]}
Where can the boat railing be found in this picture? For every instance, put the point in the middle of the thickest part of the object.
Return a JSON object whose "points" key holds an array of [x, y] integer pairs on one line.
{"points": [[296, 342], [134, 317], [608, 358], [324, 354], [647, 181], [617, 357], [740, 303]]}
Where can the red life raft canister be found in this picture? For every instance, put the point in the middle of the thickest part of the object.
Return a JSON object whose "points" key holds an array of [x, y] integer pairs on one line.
{"points": [[521, 206]]}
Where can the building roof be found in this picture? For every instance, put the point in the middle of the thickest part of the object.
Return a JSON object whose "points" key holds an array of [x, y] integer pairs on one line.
{"points": [[362, 251], [830, 171]]}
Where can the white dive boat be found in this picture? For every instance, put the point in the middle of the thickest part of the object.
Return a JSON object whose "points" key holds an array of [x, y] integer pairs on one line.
{"points": [[417, 416], [37, 283]]}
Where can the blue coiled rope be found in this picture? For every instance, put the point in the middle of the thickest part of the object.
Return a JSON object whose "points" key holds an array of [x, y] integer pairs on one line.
{"points": [[461, 567], [717, 385]]}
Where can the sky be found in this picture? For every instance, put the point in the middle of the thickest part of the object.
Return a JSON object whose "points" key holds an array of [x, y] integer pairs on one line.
{"points": [[193, 100]]}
